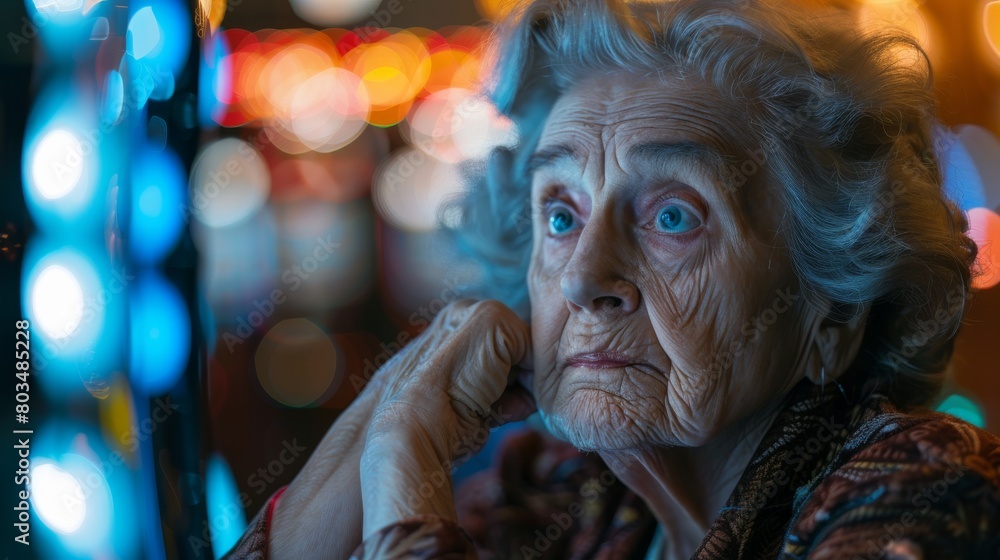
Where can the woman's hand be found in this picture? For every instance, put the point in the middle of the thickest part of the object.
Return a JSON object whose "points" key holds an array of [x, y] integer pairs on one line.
{"points": [[320, 511], [457, 377], [407, 426], [438, 399]]}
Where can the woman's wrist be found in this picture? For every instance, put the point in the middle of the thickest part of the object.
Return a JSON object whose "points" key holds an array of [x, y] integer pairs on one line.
{"points": [[331, 476], [403, 475]]}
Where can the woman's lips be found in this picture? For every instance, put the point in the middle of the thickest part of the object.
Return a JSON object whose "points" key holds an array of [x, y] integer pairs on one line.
{"points": [[601, 360]]}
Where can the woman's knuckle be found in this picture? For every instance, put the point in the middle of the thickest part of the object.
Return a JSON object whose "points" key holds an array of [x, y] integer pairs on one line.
{"points": [[490, 309], [461, 304]]}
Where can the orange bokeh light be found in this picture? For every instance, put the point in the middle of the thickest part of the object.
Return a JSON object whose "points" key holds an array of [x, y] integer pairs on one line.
{"points": [[496, 10], [984, 229], [905, 15], [392, 70], [285, 73], [991, 25], [278, 75]]}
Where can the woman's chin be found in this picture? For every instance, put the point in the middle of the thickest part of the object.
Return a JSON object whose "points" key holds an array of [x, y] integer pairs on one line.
{"points": [[600, 421]]}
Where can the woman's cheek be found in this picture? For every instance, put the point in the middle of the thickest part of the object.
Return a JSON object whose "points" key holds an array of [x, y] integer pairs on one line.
{"points": [[548, 320], [684, 312]]}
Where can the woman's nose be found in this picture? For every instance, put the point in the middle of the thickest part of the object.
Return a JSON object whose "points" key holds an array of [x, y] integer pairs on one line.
{"points": [[597, 292]]}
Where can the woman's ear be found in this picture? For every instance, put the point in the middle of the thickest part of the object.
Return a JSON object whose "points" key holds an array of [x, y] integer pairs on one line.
{"points": [[837, 341]]}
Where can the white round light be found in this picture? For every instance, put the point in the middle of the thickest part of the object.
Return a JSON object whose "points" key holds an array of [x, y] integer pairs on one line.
{"points": [[229, 183], [58, 498], [57, 301], [456, 124], [57, 164], [343, 12], [410, 188]]}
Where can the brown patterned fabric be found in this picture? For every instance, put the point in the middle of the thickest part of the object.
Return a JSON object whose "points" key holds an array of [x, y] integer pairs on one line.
{"points": [[418, 538], [834, 477]]}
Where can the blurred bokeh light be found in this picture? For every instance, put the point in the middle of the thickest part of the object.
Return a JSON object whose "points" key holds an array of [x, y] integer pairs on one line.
{"points": [[157, 43], [410, 188], [226, 519], [81, 494], [160, 334], [962, 407], [340, 12], [59, 498], [984, 150], [57, 301], [229, 183], [74, 299], [297, 363], [991, 25], [61, 165], [984, 229], [159, 204]]}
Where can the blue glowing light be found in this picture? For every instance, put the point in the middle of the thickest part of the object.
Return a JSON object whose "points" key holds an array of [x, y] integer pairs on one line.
{"points": [[963, 407], [962, 181], [158, 194], [984, 149], [61, 161], [75, 304], [64, 26], [144, 37], [114, 98], [161, 334], [80, 494], [157, 42], [51, 8], [214, 80], [226, 519]]}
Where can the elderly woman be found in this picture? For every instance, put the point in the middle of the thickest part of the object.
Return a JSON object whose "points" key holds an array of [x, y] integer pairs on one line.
{"points": [[743, 281]]}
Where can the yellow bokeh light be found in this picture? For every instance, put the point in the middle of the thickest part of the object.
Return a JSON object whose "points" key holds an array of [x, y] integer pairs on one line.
{"points": [[498, 9], [897, 14], [117, 418], [991, 24], [445, 64], [393, 70], [214, 11], [390, 116]]}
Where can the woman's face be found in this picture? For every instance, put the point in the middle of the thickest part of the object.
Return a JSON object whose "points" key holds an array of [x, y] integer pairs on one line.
{"points": [[663, 303]]}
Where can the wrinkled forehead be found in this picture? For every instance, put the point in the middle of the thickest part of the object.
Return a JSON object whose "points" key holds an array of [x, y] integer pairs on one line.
{"points": [[615, 110], [646, 122]]}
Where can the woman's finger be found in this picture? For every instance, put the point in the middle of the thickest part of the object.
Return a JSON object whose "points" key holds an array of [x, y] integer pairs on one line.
{"points": [[516, 403], [527, 361]]}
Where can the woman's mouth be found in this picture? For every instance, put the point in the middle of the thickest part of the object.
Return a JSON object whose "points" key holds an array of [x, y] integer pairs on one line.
{"points": [[601, 360]]}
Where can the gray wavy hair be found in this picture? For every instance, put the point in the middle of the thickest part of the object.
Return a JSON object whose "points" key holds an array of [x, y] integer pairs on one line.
{"points": [[847, 122]]}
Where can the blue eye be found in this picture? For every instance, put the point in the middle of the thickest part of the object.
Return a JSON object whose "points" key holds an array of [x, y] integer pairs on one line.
{"points": [[560, 221], [674, 218]]}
